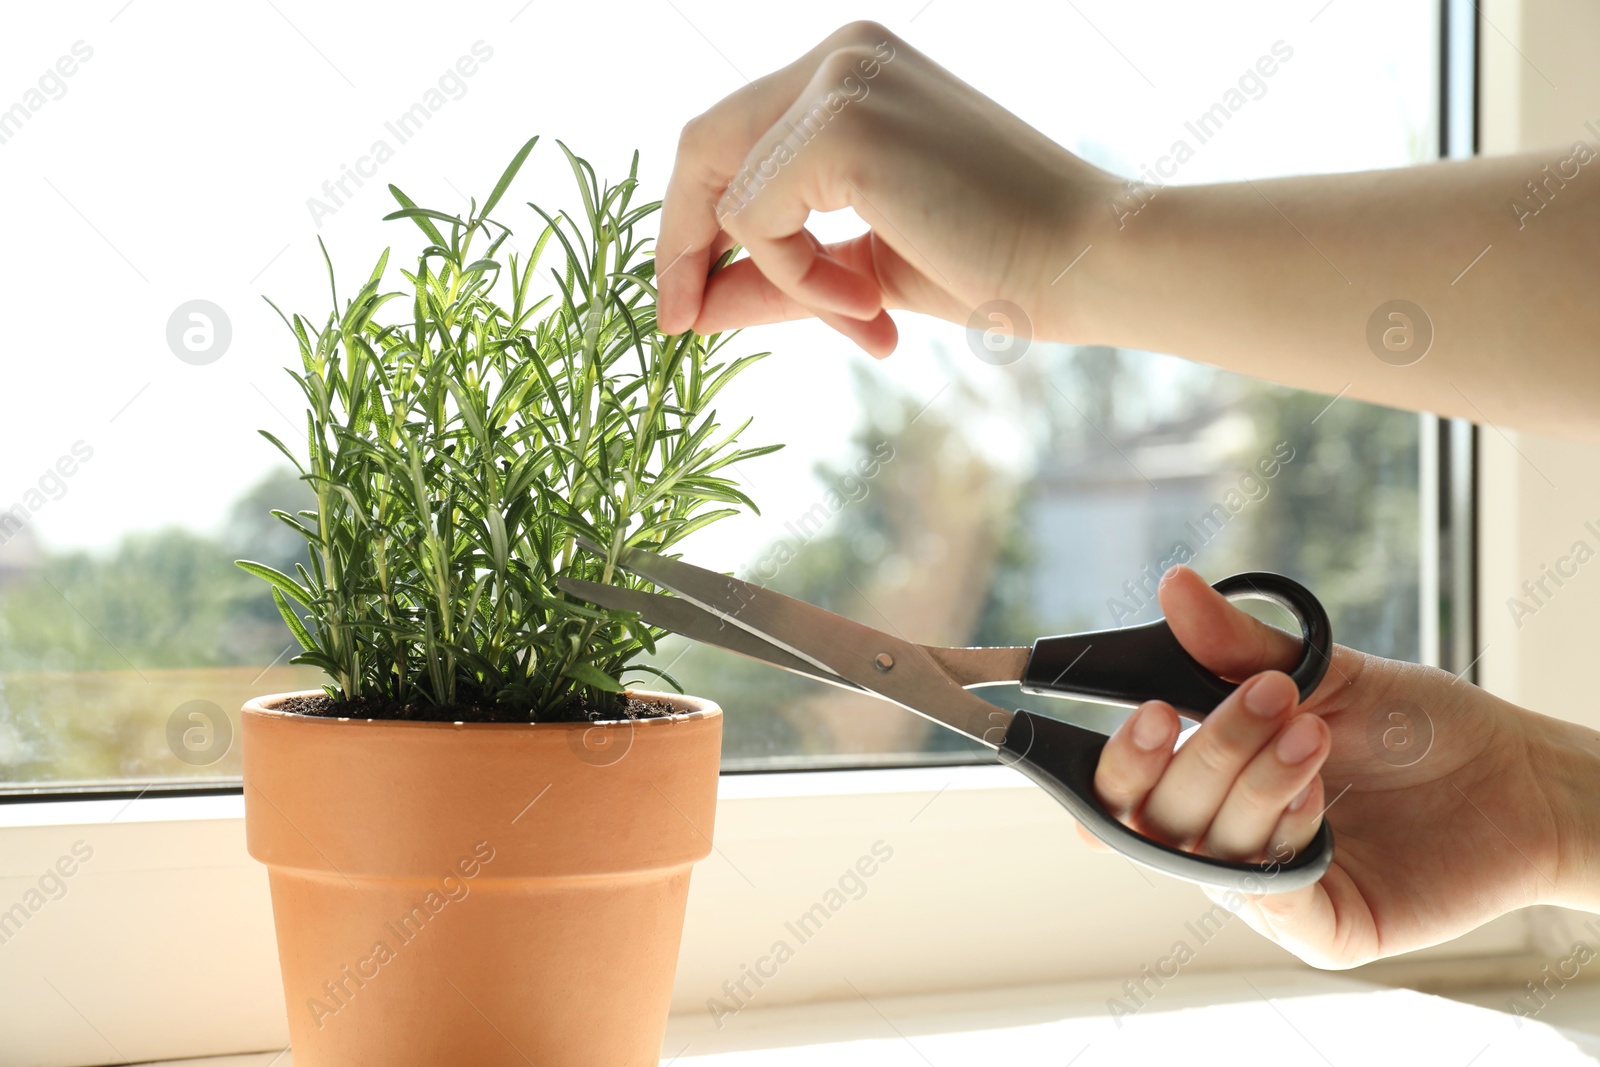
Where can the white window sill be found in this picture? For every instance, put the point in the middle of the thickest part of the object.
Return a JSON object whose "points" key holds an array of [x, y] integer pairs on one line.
{"points": [[782, 785], [1280, 1017], [989, 887]]}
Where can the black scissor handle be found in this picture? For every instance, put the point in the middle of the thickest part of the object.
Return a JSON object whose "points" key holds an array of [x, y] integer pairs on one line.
{"points": [[1139, 663], [1062, 759]]}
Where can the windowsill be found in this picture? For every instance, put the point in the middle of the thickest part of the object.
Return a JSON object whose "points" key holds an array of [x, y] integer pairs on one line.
{"points": [[84, 812], [1302, 1018], [974, 847], [751, 786]]}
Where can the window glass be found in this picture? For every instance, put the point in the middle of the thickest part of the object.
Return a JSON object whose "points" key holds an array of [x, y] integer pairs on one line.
{"points": [[164, 161]]}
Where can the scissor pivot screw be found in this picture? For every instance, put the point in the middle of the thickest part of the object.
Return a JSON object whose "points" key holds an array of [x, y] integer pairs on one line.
{"points": [[884, 661]]}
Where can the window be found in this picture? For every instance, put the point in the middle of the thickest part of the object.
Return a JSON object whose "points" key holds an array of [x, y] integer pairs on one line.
{"points": [[166, 178]]}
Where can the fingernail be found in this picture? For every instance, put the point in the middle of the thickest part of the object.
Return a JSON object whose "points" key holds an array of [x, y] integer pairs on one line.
{"points": [[1269, 695], [1299, 740], [1172, 572], [1149, 730], [1300, 798]]}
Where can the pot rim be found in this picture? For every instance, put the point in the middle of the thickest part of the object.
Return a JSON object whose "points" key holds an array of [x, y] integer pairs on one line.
{"points": [[696, 708]]}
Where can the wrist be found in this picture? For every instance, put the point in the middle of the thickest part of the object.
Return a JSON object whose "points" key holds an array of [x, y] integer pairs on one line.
{"points": [[1138, 237], [1565, 760], [1084, 268]]}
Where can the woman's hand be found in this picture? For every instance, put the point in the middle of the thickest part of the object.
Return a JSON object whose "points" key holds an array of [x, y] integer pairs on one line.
{"points": [[967, 203], [1277, 278], [1449, 806]]}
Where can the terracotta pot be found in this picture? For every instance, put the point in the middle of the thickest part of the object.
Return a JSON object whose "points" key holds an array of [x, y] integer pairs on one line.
{"points": [[479, 894]]}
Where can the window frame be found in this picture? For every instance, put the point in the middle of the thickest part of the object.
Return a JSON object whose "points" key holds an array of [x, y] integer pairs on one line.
{"points": [[1449, 459]]}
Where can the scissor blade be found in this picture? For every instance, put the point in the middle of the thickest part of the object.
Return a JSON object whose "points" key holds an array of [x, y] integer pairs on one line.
{"points": [[882, 663], [973, 668], [682, 617]]}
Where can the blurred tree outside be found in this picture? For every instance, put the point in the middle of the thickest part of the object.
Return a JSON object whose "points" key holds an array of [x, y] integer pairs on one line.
{"points": [[948, 549], [97, 651], [943, 543], [919, 555], [1344, 518], [1121, 487]]}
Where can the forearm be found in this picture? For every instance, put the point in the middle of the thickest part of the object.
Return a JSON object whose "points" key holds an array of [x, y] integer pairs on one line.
{"points": [[1278, 279]]}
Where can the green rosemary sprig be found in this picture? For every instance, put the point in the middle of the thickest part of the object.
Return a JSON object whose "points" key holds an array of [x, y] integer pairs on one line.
{"points": [[457, 449]]}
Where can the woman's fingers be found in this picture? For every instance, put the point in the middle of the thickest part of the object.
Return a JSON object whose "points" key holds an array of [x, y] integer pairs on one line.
{"points": [[1309, 921], [1224, 639], [785, 177], [1268, 803], [798, 264], [1299, 822], [821, 282], [1243, 788], [1234, 645], [877, 337], [1182, 806], [740, 295], [711, 152], [1135, 757]]}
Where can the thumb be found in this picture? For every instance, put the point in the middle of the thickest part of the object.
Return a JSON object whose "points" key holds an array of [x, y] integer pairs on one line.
{"points": [[1225, 640]]}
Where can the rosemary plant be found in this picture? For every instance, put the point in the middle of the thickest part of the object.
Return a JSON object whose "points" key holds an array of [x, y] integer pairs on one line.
{"points": [[459, 450]]}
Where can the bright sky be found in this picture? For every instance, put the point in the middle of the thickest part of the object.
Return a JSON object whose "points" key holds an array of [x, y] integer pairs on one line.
{"points": [[177, 163]]}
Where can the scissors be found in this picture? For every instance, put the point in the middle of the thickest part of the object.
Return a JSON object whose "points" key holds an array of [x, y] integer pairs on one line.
{"points": [[1124, 666]]}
